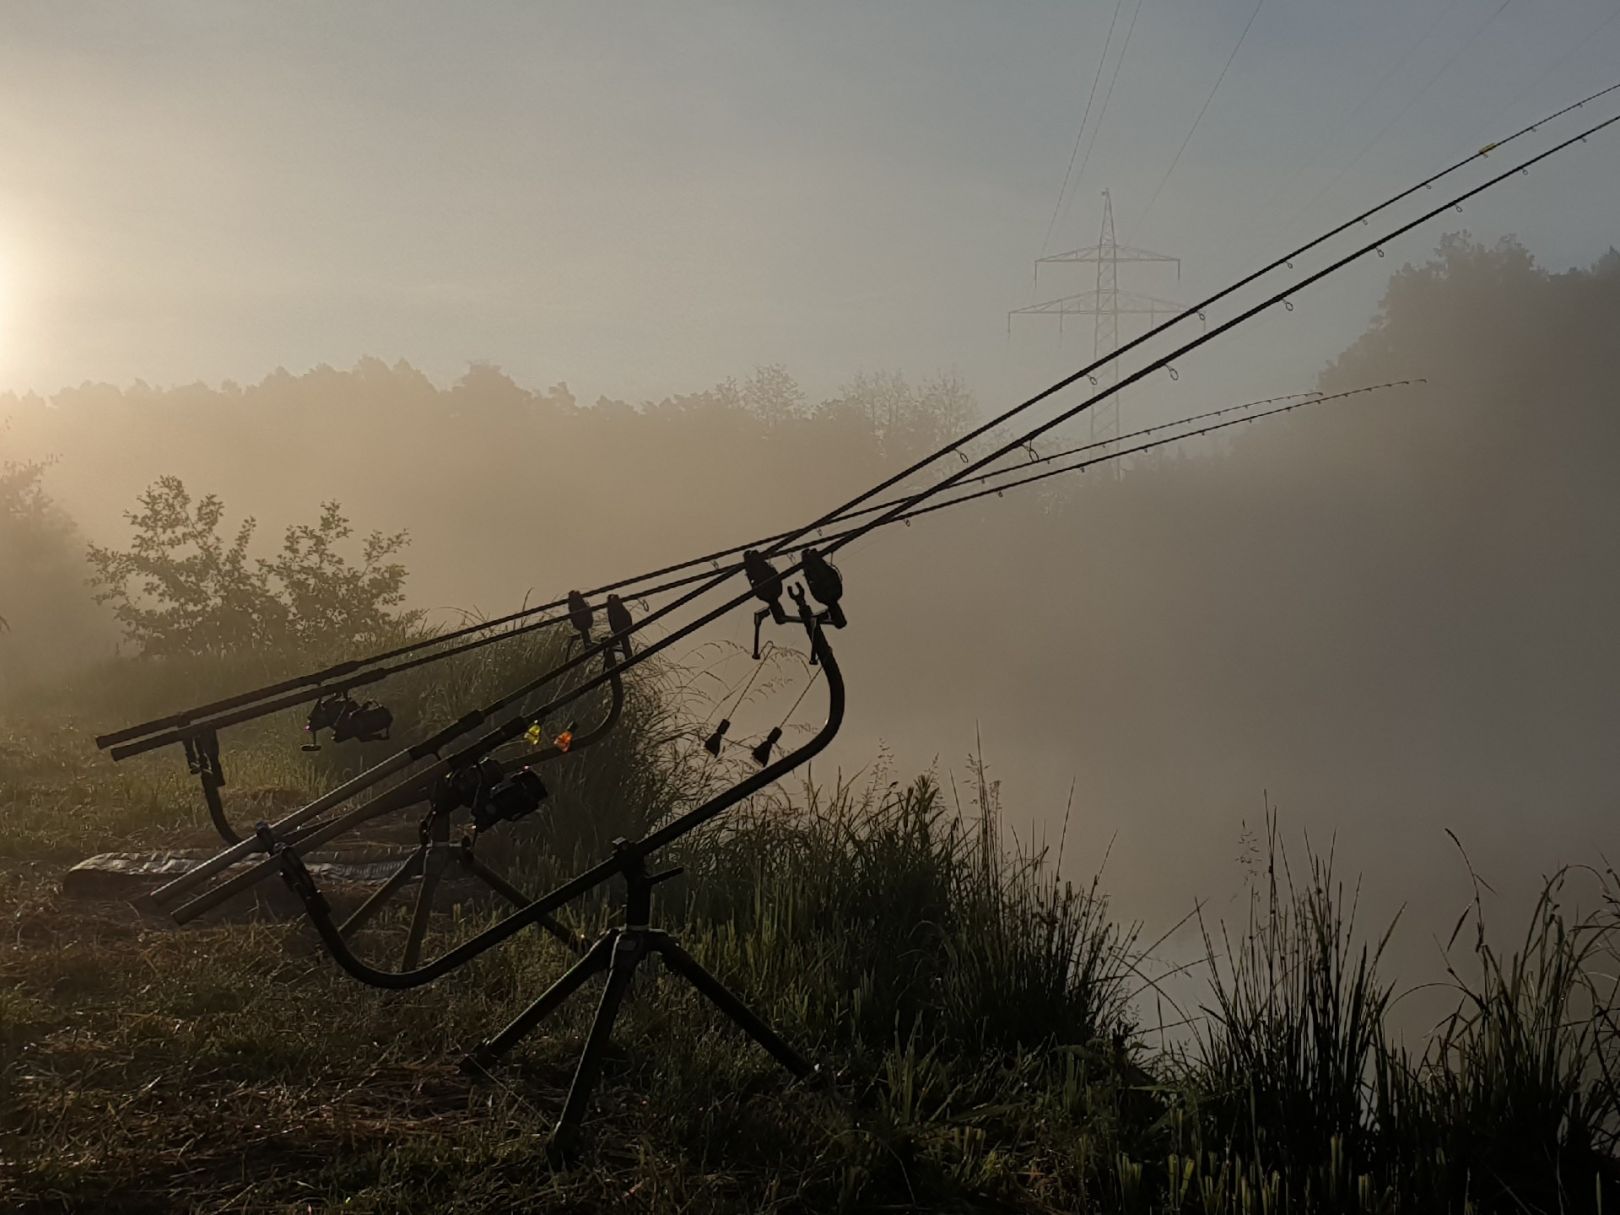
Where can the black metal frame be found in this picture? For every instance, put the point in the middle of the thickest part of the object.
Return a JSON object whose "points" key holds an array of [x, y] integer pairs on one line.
{"points": [[307, 836], [429, 861], [618, 951]]}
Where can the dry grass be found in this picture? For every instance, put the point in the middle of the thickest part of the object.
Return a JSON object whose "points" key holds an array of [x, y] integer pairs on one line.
{"points": [[975, 1009]]}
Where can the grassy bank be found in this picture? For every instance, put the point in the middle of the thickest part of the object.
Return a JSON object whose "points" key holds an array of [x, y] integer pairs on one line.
{"points": [[979, 1014]]}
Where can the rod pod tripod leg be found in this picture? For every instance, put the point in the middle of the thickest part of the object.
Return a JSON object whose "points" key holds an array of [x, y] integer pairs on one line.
{"points": [[436, 849], [619, 951]]}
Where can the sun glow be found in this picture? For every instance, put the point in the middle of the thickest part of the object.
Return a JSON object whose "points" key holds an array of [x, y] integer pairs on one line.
{"points": [[15, 283], [6, 305], [9, 281]]}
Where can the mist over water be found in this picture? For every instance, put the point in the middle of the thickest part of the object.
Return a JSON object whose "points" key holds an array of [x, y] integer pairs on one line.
{"points": [[1384, 617]]}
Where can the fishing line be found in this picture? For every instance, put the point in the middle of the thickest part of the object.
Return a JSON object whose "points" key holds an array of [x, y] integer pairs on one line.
{"points": [[713, 559], [1279, 197], [334, 674], [1405, 109], [1272, 301], [473, 752]]}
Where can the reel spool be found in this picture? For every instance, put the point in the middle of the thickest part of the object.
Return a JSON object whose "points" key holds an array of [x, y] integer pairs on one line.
{"points": [[347, 719]]}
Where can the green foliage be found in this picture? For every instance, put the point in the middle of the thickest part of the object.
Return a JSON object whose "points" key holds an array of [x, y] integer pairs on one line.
{"points": [[27, 525], [182, 588], [975, 1007], [901, 920], [30, 525], [46, 619], [1516, 1101], [1296, 1024]]}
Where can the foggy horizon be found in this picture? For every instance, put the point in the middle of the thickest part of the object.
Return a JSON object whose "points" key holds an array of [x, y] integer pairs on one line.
{"points": [[856, 190], [331, 334]]}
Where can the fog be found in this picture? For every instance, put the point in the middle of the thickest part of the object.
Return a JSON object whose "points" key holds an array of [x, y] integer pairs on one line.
{"points": [[1385, 617]]}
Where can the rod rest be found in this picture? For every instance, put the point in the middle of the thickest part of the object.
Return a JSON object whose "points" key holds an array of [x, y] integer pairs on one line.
{"points": [[303, 885]]}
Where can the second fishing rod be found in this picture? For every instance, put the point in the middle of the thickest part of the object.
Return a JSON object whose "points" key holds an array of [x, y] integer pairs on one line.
{"points": [[336, 709], [309, 835], [286, 860], [710, 563], [516, 726], [353, 667]]}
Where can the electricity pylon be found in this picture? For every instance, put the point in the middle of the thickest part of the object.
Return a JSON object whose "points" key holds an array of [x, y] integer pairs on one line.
{"points": [[1106, 304]]}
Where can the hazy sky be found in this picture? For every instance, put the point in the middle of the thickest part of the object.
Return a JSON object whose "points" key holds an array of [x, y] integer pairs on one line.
{"points": [[642, 198]]}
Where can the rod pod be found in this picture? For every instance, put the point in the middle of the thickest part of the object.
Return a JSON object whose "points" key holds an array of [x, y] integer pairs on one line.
{"points": [[618, 951]]}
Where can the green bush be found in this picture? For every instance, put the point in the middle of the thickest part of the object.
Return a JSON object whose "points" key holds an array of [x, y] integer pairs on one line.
{"points": [[183, 588]]}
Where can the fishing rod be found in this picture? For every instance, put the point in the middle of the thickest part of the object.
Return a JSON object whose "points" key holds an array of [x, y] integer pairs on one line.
{"points": [[917, 511], [387, 803], [763, 576], [337, 710], [309, 836], [618, 951], [366, 721], [339, 691], [768, 577], [353, 666]]}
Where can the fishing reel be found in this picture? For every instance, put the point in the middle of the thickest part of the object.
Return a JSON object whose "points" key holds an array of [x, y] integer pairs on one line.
{"points": [[490, 794], [826, 585], [362, 721], [767, 587], [518, 796], [582, 618], [821, 576]]}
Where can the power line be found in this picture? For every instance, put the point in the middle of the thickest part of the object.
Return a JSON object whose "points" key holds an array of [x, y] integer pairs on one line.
{"points": [[1376, 90], [1102, 114], [1405, 109], [1063, 189], [1597, 32], [1176, 159]]}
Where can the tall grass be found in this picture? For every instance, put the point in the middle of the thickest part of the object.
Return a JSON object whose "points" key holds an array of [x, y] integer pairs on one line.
{"points": [[1294, 1027], [892, 916], [979, 1008], [1514, 1103]]}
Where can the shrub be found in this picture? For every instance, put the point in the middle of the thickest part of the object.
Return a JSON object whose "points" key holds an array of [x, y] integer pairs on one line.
{"points": [[183, 588]]}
